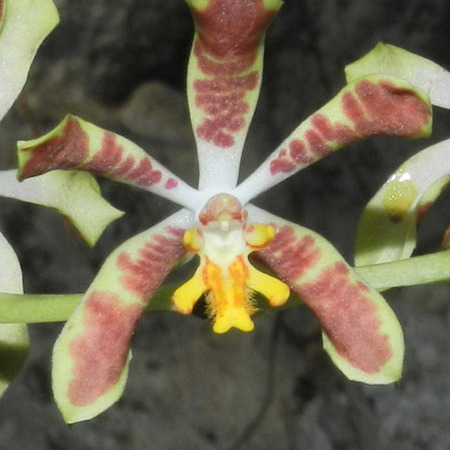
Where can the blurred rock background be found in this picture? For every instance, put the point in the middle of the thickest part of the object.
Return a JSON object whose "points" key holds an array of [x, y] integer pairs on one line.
{"points": [[121, 64]]}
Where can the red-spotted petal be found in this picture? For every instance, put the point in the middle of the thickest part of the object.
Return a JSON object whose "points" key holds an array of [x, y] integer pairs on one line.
{"points": [[360, 331], [224, 77], [375, 105], [77, 144], [91, 355]]}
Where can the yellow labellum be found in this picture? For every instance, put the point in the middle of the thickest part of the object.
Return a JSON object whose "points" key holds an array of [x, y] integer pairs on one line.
{"points": [[223, 242]]}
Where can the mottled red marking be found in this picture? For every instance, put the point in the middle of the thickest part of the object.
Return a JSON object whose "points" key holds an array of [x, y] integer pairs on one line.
{"points": [[320, 139], [383, 108], [290, 257], [338, 132], [297, 151], [282, 163], [142, 276], [373, 108], [317, 144], [65, 151], [100, 350], [345, 312], [348, 317], [109, 161], [70, 150], [229, 33], [171, 184]]}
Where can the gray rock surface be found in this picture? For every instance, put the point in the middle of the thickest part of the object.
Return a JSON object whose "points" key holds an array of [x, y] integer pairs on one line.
{"points": [[121, 64]]}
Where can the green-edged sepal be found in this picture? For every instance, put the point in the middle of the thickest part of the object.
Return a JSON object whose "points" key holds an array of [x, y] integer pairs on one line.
{"points": [[91, 355], [360, 331]]}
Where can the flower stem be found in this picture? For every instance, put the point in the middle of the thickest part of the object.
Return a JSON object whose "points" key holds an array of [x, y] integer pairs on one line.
{"points": [[31, 308], [425, 269]]}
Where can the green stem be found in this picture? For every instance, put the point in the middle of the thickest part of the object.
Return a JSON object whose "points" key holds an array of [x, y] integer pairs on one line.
{"points": [[29, 308], [425, 269], [433, 268]]}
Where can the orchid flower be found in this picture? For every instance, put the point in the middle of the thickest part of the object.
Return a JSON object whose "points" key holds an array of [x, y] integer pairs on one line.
{"points": [[218, 224], [387, 229], [23, 26]]}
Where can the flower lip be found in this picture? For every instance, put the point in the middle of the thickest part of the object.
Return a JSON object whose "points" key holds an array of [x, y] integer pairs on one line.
{"points": [[223, 240], [222, 208]]}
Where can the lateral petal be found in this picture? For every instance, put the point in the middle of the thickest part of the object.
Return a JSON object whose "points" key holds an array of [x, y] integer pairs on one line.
{"points": [[370, 106], [77, 144], [387, 227], [76, 195], [91, 355], [24, 24], [360, 331], [224, 78]]}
